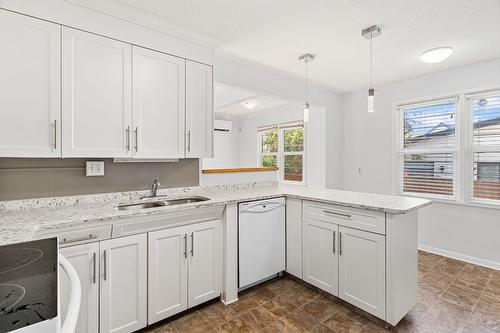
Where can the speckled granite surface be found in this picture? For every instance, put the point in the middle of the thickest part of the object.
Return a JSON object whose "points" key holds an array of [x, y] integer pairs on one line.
{"points": [[20, 219]]}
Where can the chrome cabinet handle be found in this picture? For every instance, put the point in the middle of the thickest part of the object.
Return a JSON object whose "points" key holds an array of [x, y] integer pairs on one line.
{"points": [[55, 134], [95, 268], [337, 213], [68, 241], [189, 141], [192, 244], [185, 246], [104, 263], [334, 241], [340, 243], [128, 138], [136, 139]]}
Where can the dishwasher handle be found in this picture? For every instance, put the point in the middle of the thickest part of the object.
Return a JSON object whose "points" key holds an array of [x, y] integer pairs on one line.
{"points": [[262, 207]]}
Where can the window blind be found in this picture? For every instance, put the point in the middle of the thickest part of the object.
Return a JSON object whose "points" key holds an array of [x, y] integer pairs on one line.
{"points": [[427, 148], [485, 110]]}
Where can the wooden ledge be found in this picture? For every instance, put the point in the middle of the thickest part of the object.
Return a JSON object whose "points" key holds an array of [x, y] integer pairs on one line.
{"points": [[238, 170]]}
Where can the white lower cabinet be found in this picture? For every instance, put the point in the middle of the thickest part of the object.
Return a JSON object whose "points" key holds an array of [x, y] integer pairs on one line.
{"points": [[205, 263], [123, 284], [168, 268], [320, 262], [84, 259], [185, 268], [362, 270]]}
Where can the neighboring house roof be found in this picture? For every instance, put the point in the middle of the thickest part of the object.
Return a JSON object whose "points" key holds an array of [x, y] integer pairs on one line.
{"points": [[448, 130]]}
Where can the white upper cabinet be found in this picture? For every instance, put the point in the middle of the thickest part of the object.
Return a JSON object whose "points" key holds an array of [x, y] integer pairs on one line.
{"points": [[30, 80], [199, 110], [362, 270], [159, 104], [97, 96]]}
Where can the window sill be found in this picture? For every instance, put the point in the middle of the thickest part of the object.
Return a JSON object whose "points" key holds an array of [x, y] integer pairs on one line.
{"points": [[239, 170], [475, 204]]}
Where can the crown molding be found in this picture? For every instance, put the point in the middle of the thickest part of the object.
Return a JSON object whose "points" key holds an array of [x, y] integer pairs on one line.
{"points": [[149, 20]]}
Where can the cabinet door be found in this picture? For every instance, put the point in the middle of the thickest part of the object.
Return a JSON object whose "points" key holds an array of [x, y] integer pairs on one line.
{"points": [[321, 255], [97, 95], [30, 87], [84, 259], [167, 275], [159, 104], [123, 284], [199, 110], [362, 270], [205, 258]]}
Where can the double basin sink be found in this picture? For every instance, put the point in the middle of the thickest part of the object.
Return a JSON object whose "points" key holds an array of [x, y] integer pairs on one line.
{"points": [[161, 203]]}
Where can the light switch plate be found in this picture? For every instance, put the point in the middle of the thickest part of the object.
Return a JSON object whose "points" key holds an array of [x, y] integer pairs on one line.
{"points": [[94, 168]]}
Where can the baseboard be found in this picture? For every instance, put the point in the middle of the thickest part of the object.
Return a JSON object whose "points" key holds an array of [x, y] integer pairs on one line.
{"points": [[229, 302], [460, 256]]}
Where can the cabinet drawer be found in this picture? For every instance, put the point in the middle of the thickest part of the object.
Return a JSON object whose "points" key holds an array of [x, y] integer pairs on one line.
{"points": [[346, 216], [70, 237]]}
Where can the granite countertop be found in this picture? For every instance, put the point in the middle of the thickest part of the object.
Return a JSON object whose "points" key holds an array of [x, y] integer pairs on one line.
{"points": [[21, 219]]}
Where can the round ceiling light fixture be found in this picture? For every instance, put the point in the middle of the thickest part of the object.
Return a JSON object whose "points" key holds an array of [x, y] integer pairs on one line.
{"points": [[250, 104], [436, 54]]}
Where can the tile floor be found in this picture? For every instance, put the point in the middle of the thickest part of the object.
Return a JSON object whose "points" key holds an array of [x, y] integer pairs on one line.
{"points": [[453, 296]]}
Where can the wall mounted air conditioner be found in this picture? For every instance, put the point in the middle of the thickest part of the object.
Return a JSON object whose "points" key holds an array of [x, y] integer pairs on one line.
{"points": [[223, 125]]}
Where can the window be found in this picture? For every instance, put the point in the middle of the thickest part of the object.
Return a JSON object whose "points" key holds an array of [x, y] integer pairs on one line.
{"points": [[428, 148], [435, 161], [282, 146], [269, 147], [485, 146]]}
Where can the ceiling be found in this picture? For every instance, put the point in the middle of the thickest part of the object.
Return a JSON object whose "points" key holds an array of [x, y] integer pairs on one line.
{"points": [[274, 33], [229, 102]]}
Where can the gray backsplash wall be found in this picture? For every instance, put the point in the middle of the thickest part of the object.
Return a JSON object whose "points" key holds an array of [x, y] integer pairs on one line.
{"points": [[36, 178]]}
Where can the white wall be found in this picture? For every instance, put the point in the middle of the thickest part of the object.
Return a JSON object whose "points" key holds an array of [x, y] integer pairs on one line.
{"points": [[245, 146], [226, 149], [466, 232], [266, 81], [315, 139]]}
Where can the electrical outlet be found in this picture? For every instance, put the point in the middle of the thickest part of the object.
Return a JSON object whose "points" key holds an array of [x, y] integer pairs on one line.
{"points": [[360, 171], [94, 168]]}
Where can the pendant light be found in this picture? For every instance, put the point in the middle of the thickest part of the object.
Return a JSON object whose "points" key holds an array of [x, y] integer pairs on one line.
{"points": [[370, 33], [306, 58]]}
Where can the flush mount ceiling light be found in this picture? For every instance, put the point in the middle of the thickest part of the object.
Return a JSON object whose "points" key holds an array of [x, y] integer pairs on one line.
{"points": [[306, 58], [370, 33], [436, 54], [250, 104]]}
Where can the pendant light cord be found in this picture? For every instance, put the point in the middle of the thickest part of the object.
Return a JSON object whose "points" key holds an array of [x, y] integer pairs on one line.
{"points": [[371, 61], [306, 61]]}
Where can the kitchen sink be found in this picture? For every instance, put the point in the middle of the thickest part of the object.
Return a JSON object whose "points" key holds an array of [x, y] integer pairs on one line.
{"points": [[179, 201], [142, 205], [161, 203]]}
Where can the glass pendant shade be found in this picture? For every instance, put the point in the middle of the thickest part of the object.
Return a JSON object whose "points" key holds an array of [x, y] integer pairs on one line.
{"points": [[306, 112], [371, 100]]}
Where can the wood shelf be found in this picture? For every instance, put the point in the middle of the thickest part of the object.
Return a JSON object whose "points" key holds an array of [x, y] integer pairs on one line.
{"points": [[239, 170]]}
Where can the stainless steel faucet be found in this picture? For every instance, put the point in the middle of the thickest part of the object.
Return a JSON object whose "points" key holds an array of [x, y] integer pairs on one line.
{"points": [[154, 187]]}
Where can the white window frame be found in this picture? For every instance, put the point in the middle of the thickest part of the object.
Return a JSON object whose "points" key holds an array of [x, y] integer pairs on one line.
{"points": [[463, 173], [260, 154], [470, 149], [281, 147]]}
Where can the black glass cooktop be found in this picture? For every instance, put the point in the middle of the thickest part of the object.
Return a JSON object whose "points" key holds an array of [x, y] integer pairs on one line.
{"points": [[28, 283]]}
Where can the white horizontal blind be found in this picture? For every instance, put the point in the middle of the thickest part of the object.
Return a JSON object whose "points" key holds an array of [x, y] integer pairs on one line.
{"points": [[427, 148], [485, 145]]}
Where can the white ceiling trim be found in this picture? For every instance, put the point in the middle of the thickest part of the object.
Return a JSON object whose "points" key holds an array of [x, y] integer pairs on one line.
{"points": [[140, 17]]}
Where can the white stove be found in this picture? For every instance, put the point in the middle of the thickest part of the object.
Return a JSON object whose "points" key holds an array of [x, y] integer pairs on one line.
{"points": [[29, 288]]}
